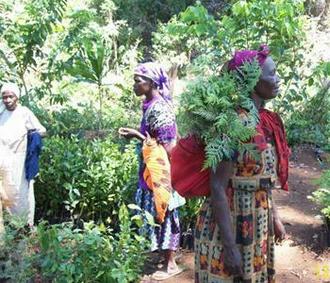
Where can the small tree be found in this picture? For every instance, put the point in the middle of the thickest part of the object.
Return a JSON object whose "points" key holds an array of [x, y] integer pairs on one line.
{"points": [[91, 63], [24, 29], [88, 49]]}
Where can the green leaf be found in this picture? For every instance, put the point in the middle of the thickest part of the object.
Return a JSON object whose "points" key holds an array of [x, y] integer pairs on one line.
{"points": [[134, 207]]}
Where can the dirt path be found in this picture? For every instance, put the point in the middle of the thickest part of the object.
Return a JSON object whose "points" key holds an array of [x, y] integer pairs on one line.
{"points": [[303, 256]]}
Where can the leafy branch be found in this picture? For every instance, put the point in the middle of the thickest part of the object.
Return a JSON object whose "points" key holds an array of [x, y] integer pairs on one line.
{"points": [[210, 109]]}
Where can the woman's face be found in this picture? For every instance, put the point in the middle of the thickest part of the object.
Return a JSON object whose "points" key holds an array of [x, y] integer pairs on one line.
{"points": [[268, 85], [9, 100], [142, 85]]}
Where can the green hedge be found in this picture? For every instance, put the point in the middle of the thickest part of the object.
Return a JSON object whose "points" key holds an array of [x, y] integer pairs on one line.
{"points": [[85, 179]]}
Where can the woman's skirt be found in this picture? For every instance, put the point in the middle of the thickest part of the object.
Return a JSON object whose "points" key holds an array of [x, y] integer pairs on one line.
{"points": [[165, 236], [251, 216]]}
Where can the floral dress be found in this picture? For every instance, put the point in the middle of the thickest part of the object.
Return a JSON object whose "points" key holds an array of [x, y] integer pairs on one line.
{"points": [[159, 121], [249, 196]]}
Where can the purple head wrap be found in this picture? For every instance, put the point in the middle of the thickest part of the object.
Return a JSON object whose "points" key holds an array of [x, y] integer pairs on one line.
{"points": [[243, 56], [157, 74]]}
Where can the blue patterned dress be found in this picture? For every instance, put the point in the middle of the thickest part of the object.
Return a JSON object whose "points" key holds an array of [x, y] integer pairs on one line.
{"points": [[159, 121]]}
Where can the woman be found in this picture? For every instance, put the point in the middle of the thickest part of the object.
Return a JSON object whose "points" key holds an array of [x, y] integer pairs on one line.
{"points": [[15, 123], [239, 223], [158, 120]]}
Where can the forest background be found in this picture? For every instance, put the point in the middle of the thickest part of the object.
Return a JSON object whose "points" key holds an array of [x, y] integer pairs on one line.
{"points": [[74, 59]]}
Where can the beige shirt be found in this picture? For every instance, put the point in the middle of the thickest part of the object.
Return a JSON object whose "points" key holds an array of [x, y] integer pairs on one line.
{"points": [[17, 192]]}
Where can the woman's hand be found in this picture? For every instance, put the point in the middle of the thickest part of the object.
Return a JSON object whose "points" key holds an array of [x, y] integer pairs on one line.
{"points": [[279, 230], [130, 133], [233, 260]]}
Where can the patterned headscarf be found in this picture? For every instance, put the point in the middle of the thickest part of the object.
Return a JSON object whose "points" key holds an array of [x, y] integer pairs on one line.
{"points": [[157, 74], [243, 56]]}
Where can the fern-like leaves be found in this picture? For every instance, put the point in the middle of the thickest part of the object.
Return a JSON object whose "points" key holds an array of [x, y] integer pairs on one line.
{"points": [[210, 107]]}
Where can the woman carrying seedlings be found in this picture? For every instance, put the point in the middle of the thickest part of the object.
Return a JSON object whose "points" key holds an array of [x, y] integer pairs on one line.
{"points": [[239, 223], [158, 121]]}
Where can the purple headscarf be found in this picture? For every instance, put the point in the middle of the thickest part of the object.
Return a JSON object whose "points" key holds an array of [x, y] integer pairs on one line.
{"points": [[157, 74], [243, 56]]}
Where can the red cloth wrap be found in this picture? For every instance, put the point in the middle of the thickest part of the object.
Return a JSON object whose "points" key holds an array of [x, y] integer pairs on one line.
{"points": [[187, 158], [188, 177]]}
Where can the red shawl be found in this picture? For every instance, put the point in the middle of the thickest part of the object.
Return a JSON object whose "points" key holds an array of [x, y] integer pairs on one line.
{"points": [[273, 129]]}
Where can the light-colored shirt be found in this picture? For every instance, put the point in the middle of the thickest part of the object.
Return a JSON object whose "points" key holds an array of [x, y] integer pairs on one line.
{"points": [[17, 194], [14, 126]]}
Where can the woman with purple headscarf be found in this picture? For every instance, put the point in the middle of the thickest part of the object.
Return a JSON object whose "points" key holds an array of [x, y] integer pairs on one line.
{"points": [[158, 121], [238, 224]]}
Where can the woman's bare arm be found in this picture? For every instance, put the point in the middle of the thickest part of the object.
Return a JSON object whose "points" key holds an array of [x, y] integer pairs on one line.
{"points": [[219, 181]]}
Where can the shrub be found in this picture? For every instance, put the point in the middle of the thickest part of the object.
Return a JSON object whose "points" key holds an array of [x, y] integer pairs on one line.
{"points": [[322, 195], [310, 122], [69, 120], [63, 253], [85, 179]]}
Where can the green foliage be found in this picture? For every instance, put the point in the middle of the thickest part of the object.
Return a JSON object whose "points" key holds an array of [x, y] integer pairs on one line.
{"points": [[15, 253], [25, 33], [188, 213], [85, 179], [196, 37], [89, 47], [322, 195], [209, 110], [278, 23], [80, 54], [310, 122], [80, 120], [88, 53], [80, 47], [143, 16], [64, 253], [185, 36]]}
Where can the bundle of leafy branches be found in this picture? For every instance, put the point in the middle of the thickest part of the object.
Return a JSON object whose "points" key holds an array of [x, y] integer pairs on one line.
{"points": [[209, 109]]}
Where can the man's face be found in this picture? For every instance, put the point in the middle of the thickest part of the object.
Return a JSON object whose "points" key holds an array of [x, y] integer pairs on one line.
{"points": [[9, 100]]}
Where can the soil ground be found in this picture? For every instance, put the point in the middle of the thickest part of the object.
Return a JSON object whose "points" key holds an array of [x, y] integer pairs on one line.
{"points": [[304, 255]]}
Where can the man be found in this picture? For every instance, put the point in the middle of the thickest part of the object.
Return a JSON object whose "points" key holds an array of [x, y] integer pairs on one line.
{"points": [[15, 123]]}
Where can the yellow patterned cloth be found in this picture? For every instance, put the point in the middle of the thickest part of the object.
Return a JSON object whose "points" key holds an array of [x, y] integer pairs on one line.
{"points": [[249, 196], [157, 175]]}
